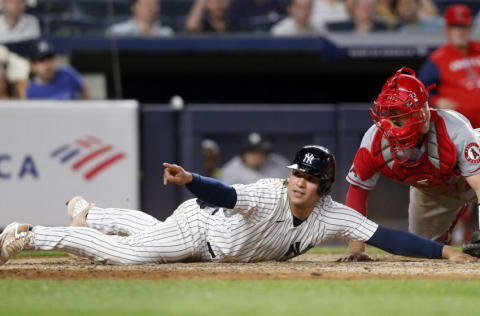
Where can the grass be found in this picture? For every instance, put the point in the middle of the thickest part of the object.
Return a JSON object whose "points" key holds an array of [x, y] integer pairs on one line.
{"points": [[33, 253], [359, 298]]}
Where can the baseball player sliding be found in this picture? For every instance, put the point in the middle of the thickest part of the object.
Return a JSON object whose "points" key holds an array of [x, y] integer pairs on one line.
{"points": [[436, 152], [272, 219]]}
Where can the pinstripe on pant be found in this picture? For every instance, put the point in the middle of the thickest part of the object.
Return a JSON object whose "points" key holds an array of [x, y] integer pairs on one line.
{"points": [[149, 240]]}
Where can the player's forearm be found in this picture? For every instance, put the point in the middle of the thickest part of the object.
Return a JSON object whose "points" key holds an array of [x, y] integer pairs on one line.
{"points": [[357, 199], [405, 244], [212, 191]]}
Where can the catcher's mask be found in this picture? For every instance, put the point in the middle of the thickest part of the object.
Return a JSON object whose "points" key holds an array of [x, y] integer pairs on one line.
{"points": [[316, 161], [401, 111]]}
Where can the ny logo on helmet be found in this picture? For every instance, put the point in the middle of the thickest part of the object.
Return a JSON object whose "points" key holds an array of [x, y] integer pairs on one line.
{"points": [[308, 158]]}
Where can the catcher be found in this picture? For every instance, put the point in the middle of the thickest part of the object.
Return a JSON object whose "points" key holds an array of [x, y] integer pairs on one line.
{"points": [[436, 152]]}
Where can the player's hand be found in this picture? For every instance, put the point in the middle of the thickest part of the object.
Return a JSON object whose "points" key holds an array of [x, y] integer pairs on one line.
{"points": [[356, 257], [455, 256], [176, 174]]}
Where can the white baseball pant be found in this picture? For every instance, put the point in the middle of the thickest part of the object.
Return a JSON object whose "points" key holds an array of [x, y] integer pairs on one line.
{"points": [[178, 238]]}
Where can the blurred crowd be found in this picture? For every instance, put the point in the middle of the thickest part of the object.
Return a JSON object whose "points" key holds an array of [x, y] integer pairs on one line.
{"points": [[37, 76], [27, 19]]}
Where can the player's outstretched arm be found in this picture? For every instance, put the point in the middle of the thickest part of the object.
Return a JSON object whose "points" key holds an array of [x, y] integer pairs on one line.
{"points": [[407, 244], [176, 174], [206, 189]]}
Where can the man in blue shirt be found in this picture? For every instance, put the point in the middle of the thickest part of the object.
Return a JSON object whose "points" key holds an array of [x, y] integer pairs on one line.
{"points": [[50, 83]]}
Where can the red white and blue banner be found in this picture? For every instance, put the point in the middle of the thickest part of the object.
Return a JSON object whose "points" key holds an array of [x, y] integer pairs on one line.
{"points": [[53, 150]]}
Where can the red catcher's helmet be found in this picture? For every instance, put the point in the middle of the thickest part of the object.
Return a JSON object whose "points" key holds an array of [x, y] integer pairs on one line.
{"points": [[397, 112]]}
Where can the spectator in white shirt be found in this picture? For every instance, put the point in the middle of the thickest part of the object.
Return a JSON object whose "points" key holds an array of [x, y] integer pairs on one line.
{"points": [[298, 22], [326, 11], [145, 21], [15, 25]]}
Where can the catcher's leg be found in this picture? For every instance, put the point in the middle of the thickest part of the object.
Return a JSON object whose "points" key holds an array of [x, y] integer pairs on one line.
{"points": [[162, 243], [114, 221], [432, 216]]}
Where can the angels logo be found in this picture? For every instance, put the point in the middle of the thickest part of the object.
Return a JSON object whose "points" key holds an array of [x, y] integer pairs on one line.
{"points": [[472, 153]]}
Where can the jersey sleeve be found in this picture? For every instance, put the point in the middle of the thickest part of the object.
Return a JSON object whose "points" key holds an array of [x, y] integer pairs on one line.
{"points": [[466, 141], [343, 222], [363, 173], [261, 196]]}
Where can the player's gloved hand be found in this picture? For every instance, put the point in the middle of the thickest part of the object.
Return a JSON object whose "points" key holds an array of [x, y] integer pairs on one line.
{"points": [[356, 257], [176, 174]]}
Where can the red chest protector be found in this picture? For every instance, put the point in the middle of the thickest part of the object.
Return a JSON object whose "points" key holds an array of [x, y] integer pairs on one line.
{"points": [[436, 166]]}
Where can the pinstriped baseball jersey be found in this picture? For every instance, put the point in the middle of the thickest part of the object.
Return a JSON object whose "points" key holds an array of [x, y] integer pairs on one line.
{"points": [[259, 228]]}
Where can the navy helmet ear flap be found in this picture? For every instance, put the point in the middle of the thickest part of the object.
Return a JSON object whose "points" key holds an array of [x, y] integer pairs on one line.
{"points": [[319, 162]]}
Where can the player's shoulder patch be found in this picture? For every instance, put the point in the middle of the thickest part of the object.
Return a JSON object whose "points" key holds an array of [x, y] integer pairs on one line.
{"points": [[472, 152]]}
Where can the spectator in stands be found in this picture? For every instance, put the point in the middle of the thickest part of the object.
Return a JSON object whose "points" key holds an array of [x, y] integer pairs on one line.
{"points": [[15, 25], [210, 155], [298, 22], [16, 70], [145, 21], [326, 11], [6, 91], [255, 162], [208, 16], [255, 15], [426, 9], [363, 18], [454, 67], [410, 20], [51, 83], [385, 13]]}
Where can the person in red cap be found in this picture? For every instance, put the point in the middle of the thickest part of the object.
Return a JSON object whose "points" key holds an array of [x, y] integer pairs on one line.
{"points": [[455, 67]]}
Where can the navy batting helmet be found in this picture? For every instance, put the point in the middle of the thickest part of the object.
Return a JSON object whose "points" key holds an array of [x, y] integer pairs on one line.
{"points": [[318, 162]]}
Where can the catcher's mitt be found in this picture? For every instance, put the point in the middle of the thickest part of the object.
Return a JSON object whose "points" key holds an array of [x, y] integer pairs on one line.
{"points": [[473, 248]]}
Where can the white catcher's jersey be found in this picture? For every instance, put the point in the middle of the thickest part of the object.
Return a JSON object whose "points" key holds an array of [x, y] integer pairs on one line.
{"points": [[260, 227], [460, 133]]}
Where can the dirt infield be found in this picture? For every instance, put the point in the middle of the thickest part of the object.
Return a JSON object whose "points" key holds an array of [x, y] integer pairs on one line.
{"points": [[308, 266]]}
